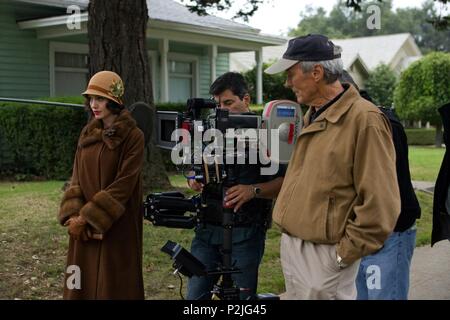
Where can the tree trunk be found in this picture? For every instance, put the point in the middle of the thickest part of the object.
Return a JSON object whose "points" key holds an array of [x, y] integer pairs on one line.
{"points": [[438, 139], [117, 42]]}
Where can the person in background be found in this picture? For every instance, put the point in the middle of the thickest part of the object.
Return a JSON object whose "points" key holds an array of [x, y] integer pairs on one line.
{"points": [[441, 200], [384, 275]]}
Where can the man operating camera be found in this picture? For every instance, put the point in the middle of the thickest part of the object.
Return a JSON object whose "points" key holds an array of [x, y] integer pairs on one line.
{"points": [[249, 197]]}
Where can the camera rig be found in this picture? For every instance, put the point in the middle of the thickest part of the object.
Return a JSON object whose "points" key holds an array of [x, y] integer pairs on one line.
{"points": [[174, 210]]}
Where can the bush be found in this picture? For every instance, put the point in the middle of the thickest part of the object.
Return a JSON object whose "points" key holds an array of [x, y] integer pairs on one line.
{"points": [[420, 137], [73, 100], [423, 88], [39, 140], [168, 106], [381, 84], [273, 85]]}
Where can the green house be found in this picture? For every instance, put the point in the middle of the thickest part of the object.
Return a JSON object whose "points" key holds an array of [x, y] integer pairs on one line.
{"points": [[44, 49]]}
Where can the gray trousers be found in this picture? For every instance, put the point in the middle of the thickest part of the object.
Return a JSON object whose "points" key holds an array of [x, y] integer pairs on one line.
{"points": [[311, 271]]}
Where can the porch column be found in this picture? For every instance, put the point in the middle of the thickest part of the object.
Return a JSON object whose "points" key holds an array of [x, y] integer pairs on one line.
{"points": [[212, 61], [163, 51], [259, 79]]}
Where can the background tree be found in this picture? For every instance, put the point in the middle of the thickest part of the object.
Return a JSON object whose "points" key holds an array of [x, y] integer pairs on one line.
{"points": [[273, 85], [249, 7], [381, 84], [117, 42], [423, 88], [439, 21], [344, 22]]}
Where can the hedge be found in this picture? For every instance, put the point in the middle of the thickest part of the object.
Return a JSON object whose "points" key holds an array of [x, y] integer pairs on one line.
{"points": [[421, 136], [39, 141]]}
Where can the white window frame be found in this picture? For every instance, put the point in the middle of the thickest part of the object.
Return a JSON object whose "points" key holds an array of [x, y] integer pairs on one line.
{"points": [[153, 56], [67, 48], [195, 69]]}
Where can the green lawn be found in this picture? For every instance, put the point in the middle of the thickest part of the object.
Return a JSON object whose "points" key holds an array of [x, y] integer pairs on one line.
{"points": [[424, 224], [425, 162], [33, 246]]}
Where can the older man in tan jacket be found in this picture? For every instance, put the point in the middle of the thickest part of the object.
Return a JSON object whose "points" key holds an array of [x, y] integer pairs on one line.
{"points": [[340, 198]]}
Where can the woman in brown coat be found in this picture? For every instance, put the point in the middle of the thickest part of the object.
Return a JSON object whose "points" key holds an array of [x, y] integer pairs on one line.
{"points": [[102, 207]]}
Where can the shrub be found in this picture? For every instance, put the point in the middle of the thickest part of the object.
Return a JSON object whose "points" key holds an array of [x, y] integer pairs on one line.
{"points": [[273, 85], [381, 84], [420, 137], [39, 140]]}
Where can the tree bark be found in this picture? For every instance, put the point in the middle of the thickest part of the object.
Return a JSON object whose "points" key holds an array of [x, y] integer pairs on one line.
{"points": [[117, 42]]}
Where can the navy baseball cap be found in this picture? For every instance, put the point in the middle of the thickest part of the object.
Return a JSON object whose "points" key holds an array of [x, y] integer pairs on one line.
{"points": [[312, 47]]}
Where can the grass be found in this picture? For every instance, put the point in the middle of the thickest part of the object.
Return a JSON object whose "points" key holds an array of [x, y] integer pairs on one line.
{"points": [[33, 246], [424, 224], [425, 162]]}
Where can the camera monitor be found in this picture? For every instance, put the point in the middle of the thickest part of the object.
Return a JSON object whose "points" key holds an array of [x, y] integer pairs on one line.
{"points": [[166, 122], [184, 261]]}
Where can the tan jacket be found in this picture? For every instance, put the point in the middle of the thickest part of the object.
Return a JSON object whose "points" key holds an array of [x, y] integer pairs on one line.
{"points": [[341, 184]]}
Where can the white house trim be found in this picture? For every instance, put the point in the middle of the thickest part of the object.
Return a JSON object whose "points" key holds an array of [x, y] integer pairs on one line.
{"points": [[240, 34], [56, 27], [212, 61], [259, 77], [185, 37], [164, 72], [356, 59], [49, 22], [58, 3], [153, 55]]}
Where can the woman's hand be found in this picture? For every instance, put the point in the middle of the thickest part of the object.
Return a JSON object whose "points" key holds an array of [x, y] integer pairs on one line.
{"points": [[77, 228]]}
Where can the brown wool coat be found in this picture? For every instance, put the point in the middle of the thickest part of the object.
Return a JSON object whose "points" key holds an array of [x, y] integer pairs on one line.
{"points": [[106, 189]]}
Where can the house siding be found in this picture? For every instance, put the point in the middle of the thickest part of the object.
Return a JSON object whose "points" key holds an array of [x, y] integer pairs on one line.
{"points": [[24, 60], [204, 81], [222, 66]]}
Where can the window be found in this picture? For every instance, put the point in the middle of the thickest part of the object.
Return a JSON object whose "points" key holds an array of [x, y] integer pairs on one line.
{"points": [[69, 69], [71, 73], [182, 79]]}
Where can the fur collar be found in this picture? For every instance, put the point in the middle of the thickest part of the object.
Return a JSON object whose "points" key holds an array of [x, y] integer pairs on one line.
{"points": [[113, 136]]}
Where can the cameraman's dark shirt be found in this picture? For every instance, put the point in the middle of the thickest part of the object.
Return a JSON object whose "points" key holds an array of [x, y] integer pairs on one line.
{"points": [[246, 174]]}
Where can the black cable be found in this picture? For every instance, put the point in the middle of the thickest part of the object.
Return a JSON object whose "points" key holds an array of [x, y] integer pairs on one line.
{"points": [[181, 286]]}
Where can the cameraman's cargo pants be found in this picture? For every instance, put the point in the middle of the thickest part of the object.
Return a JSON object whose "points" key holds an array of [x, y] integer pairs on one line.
{"points": [[247, 252], [311, 271]]}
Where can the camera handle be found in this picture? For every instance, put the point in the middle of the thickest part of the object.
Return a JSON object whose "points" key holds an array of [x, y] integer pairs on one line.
{"points": [[227, 289]]}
